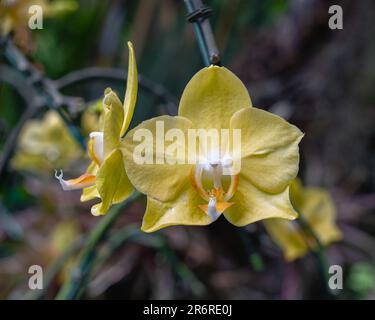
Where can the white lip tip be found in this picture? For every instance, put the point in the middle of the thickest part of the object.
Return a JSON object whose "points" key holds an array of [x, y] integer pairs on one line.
{"points": [[212, 212], [61, 180], [59, 176]]}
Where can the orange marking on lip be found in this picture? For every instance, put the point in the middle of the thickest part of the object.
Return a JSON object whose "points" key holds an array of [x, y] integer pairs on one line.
{"points": [[83, 179], [220, 206]]}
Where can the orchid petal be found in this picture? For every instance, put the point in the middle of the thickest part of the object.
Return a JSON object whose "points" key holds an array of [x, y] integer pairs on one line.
{"points": [[318, 210], [113, 117], [269, 149], [182, 211], [288, 236], [112, 183], [83, 181], [131, 90], [163, 174], [251, 205], [212, 96]]}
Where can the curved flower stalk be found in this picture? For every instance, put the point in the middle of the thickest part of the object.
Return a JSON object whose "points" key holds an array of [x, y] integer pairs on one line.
{"points": [[15, 13], [105, 177], [318, 209], [197, 192]]}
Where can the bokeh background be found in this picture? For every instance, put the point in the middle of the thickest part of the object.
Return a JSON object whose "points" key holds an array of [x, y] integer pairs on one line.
{"points": [[320, 79]]}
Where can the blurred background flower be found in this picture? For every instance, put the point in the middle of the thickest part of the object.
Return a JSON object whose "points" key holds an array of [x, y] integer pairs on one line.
{"points": [[45, 145], [317, 211]]}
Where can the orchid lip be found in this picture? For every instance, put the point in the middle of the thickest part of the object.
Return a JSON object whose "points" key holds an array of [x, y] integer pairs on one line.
{"points": [[217, 198], [97, 150], [63, 183], [85, 180], [60, 178]]}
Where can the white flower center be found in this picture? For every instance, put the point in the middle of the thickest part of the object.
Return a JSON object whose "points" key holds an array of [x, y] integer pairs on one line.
{"points": [[212, 170]]}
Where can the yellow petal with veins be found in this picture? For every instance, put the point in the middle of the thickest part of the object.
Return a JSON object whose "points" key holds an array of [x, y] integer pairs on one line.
{"points": [[131, 90], [112, 183], [182, 211], [269, 149], [113, 119], [212, 96], [252, 204], [163, 181]]}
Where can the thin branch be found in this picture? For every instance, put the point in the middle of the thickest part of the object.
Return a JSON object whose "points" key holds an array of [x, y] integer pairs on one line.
{"points": [[43, 86], [116, 74], [11, 142], [33, 102], [23, 87]]}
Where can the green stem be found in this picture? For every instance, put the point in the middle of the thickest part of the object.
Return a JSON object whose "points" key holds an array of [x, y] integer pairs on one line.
{"points": [[182, 271], [116, 241], [255, 259], [198, 35], [72, 288], [204, 35], [318, 250], [158, 242]]}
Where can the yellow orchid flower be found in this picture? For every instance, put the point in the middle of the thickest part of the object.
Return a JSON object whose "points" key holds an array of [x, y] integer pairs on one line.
{"points": [[15, 13], [318, 209], [105, 177], [45, 144], [181, 192]]}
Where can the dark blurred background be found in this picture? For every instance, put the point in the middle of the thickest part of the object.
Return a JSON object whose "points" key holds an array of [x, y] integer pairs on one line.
{"points": [[293, 64]]}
